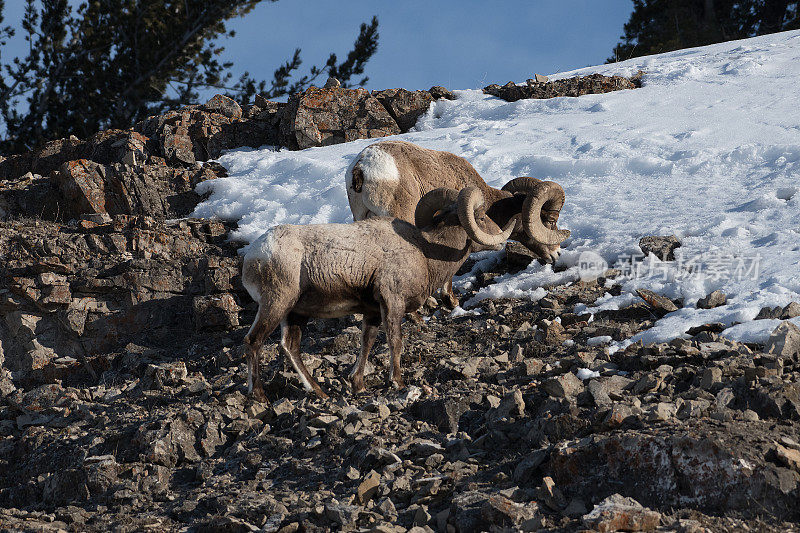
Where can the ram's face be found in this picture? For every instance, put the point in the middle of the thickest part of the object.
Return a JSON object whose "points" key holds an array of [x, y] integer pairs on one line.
{"points": [[545, 253]]}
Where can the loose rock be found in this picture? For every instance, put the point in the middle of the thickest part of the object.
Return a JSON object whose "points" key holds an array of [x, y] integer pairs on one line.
{"points": [[617, 513], [663, 247], [564, 386], [368, 487], [784, 340], [661, 303], [712, 300]]}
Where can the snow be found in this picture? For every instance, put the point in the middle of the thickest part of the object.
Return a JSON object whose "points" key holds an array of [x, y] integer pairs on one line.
{"points": [[484, 261], [597, 341], [756, 331], [708, 150], [527, 284], [585, 373], [459, 311]]}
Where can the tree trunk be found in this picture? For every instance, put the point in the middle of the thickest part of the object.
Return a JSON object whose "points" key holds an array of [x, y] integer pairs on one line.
{"points": [[772, 13], [712, 28], [709, 16]]}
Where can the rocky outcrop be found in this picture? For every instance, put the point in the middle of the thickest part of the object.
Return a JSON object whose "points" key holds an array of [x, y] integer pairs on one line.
{"points": [[42, 161], [663, 469], [85, 187], [320, 117], [577, 86], [115, 172], [153, 168], [404, 106], [332, 114], [158, 191], [70, 292], [259, 126], [315, 117]]}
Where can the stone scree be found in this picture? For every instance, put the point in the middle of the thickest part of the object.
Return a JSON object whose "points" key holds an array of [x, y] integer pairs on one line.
{"points": [[122, 378]]}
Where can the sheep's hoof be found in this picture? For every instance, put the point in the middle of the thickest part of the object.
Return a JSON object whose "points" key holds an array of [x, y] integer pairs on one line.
{"points": [[320, 393], [416, 318], [358, 385], [258, 394]]}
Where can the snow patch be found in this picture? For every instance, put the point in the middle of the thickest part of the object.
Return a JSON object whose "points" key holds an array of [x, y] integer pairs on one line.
{"points": [[585, 373], [460, 311], [704, 150], [597, 341]]}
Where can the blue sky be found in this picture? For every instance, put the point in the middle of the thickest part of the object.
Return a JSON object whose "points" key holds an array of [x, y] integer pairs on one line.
{"points": [[459, 44]]}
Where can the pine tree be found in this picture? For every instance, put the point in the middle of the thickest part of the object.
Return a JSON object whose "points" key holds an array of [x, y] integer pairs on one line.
{"points": [[657, 26], [109, 63]]}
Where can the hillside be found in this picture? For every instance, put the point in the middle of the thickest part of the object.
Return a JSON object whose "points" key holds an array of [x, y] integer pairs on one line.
{"points": [[707, 151], [563, 398]]}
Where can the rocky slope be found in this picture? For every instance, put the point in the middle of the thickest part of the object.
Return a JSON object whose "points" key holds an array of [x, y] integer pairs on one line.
{"points": [[122, 381], [497, 430]]}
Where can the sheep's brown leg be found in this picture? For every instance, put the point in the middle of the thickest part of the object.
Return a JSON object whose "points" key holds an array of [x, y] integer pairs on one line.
{"points": [[450, 298], [416, 318], [392, 315], [369, 331], [264, 324], [291, 334]]}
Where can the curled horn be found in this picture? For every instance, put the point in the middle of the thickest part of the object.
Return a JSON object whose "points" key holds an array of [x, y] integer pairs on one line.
{"points": [[434, 201], [469, 200], [521, 185], [540, 195]]}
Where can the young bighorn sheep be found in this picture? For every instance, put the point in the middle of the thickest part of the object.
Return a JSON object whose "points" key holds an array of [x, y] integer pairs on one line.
{"points": [[389, 177], [381, 267]]}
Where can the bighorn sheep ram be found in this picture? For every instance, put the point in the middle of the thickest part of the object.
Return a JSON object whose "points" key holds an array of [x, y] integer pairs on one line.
{"points": [[381, 267], [389, 177]]}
